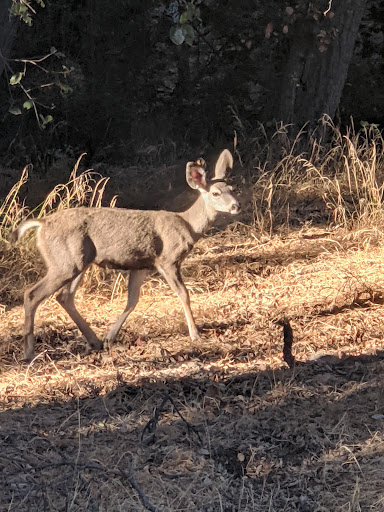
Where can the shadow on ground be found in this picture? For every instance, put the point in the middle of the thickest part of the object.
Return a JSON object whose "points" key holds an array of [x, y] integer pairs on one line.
{"points": [[290, 439]]}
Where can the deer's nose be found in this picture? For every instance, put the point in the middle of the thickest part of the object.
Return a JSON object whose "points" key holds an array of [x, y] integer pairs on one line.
{"points": [[235, 208]]}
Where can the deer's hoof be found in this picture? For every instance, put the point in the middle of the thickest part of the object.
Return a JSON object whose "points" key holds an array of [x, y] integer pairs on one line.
{"points": [[28, 359], [96, 346]]}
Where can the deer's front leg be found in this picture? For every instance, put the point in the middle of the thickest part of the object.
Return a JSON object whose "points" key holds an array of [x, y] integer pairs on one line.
{"points": [[136, 279], [173, 277]]}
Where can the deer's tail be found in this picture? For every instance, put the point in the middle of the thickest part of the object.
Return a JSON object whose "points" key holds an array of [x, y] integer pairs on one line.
{"points": [[25, 226]]}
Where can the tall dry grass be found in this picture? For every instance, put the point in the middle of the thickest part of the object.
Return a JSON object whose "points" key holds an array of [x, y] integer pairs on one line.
{"points": [[338, 181]]}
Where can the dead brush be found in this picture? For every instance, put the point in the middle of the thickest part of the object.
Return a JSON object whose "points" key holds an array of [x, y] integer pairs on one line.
{"points": [[15, 262], [11, 210], [338, 182], [355, 192], [85, 189]]}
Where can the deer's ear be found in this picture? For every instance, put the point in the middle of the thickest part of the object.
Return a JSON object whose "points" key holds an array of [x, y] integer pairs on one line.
{"points": [[224, 162], [196, 175]]}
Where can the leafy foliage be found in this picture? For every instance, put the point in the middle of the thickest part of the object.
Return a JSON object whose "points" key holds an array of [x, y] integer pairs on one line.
{"points": [[33, 93], [183, 30], [150, 80], [24, 9]]}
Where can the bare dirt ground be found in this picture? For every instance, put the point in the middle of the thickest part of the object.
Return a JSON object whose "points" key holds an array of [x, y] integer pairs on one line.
{"points": [[233, 428]]}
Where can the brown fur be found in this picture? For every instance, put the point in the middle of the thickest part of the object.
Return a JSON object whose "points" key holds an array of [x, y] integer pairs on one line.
{"points": [[136, 240]]}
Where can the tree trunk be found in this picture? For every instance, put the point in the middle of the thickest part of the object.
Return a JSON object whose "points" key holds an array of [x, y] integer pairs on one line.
{"points": [[317, 67], [7, 33]]}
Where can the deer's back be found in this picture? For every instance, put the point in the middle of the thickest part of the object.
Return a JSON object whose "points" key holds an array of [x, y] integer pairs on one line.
{"points": [[115, 237]]}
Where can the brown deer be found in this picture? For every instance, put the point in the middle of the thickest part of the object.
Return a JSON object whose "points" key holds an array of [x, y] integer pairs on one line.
{"points": [[137, 240]]}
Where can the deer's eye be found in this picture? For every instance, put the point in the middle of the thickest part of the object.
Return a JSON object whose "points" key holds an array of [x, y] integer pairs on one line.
{"points": [[216, 194]]}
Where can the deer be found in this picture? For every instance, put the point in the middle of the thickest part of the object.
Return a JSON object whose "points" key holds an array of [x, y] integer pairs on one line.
{"points": [[141, 241]]}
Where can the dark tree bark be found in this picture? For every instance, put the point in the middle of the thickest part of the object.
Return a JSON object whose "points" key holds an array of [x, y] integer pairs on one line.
{"points": [[7, 33], [319, 56]]}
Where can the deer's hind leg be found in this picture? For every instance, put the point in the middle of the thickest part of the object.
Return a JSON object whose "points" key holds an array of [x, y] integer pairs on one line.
{"points": [[66, 298], [33, 296]]}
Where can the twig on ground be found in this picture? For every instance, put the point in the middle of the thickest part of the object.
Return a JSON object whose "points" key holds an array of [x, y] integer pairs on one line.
{"points": [[152, 423], [288, 340]]}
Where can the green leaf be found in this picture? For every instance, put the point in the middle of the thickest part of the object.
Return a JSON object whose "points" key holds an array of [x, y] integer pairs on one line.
{"points": [[18, 9], [15, 111], [65, 88], [28, 104], [15, 79], [52, 50], [47, 119], [193, 12], [27, 18], [184, 18], [176, 34], [189, 34]]}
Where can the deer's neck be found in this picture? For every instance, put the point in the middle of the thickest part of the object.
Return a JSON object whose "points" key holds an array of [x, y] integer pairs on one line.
{"points": [[199, 217]]}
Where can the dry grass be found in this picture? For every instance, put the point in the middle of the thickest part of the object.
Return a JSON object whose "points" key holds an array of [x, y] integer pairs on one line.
{"points": [[340, 182], [270, 438]]}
